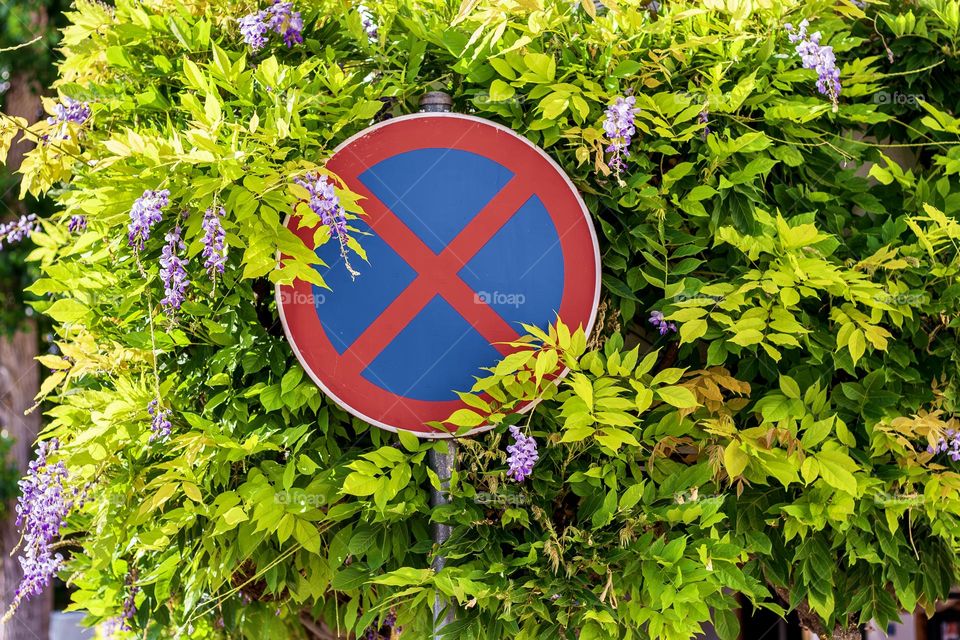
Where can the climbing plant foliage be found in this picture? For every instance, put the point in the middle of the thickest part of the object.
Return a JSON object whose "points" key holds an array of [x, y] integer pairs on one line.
{"points": [[782, 427]]}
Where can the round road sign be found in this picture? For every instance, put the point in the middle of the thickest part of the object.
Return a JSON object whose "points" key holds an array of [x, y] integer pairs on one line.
{"points": [[470, 230]]}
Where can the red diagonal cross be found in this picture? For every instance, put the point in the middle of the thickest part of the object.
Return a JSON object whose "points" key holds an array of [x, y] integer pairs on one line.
{"points": [[436, 273]]}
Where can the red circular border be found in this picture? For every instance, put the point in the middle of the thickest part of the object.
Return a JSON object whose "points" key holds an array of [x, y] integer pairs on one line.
{"points": [[578, 244]]}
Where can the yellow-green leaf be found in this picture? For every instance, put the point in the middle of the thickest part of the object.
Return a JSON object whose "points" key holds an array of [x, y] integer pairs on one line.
{"points": [[734, 459], [679, 397], [690, 331]]}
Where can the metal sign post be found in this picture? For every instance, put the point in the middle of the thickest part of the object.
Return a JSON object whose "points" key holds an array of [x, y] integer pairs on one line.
{"points": [[442, 464]]}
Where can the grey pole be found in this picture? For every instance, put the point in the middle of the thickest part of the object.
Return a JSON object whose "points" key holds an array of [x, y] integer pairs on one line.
{"points": [[442, 464], [436, 102]]}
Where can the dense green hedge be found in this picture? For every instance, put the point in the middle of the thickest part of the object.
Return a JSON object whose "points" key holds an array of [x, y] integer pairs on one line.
{"points": [[775, 445]]}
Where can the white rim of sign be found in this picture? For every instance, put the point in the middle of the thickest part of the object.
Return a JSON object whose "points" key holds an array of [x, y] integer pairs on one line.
{"points": [[593, 311]]}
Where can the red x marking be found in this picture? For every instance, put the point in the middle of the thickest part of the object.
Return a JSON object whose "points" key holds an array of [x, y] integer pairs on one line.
{"points": [[437, 274]]}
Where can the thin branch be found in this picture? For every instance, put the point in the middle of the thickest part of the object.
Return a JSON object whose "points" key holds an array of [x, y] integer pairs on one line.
{"points": [[22, 45]]}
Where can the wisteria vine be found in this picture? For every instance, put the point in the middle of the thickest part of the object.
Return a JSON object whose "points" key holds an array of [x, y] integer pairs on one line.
{"points": [[619, 127], [522, 455], [280, 18], [42, 511], [324, 202], [821, 58], [147, 211], [17, 230]]}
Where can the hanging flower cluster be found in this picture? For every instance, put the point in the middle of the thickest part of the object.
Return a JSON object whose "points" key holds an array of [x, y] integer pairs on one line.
{"points": [[68, 110], [77, 224], [147, 211], [368, 24], [111, 629], [949, 445], [619, 127], [16, 230], [115, 627], [41, 511], [280, 18], [129, 604], [325, 203], [390, 623], [522, 455], [160, 426], [815, 56], [658, 321], [214, 247], [704, 119], [173, 271]]}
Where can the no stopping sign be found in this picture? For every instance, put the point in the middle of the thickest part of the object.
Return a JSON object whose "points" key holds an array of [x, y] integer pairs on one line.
{"points": [[470, 230]]}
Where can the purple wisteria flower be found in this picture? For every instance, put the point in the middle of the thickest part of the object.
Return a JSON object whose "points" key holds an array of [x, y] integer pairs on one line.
{"points": [[111, 628], [522, 455], [366, 18], [325, 203], [19, 229], [815, 56], [64, 112], [42, 511], [173, 271], [214, 248], [949, 445], [77, 224], [115, 627], [389, 622], [147, 211], [253, 28], [280, 18], [619, 127], [68, 110], [285, 21], [129, 604], [658, 321], [704, 119], [160, 426]]}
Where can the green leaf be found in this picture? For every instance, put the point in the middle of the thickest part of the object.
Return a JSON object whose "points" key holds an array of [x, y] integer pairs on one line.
{"points": [[554, 105], [466, 418], [349, 578], [734, 459], [857, 345], [307, 535], [67, 310], [632, 495], [541, 65], [789, 387], [234, 516], [836, 468], [626, 69], [500, 91], [690, 331], [810, 469], [194, 75], [583, 388], [358, 484], [679, 397], [726, 624]]}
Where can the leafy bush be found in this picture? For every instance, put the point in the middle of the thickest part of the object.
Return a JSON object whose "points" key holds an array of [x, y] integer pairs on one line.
{"points": [[776, 445]]}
